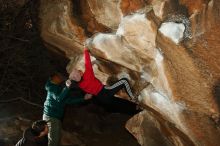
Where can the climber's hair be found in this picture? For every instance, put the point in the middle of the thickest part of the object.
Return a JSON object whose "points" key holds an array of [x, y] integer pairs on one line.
{"points": [[38, 127], [56, 78]]}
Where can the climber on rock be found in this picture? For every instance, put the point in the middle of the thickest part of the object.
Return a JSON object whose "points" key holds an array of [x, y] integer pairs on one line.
{"points": [[36, 135], [103, 94], [58, 95]]}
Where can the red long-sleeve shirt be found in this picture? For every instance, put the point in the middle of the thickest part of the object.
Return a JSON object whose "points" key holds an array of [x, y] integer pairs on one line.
{"points": [[89, 83]]}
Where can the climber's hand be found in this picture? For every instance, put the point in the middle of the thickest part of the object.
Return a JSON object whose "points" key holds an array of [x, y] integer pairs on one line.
{"points": [[68, 83], [87, 96], [88, 44]]}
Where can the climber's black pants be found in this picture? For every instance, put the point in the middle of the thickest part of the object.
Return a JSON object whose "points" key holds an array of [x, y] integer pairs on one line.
{"points": [[107, 99]]}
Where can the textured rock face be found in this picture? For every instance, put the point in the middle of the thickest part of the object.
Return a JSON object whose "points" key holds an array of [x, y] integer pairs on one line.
{"points": [[177, 81]]}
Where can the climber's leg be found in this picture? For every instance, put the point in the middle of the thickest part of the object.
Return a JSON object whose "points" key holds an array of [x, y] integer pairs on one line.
{"points": [[121, 84]]}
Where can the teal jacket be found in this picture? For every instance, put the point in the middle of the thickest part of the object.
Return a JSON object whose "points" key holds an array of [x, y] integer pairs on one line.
{"points": [[57, 98]]}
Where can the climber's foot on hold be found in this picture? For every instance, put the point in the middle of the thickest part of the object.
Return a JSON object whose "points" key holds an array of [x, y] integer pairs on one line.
{"points": [[134, 99], [139, 108]]}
